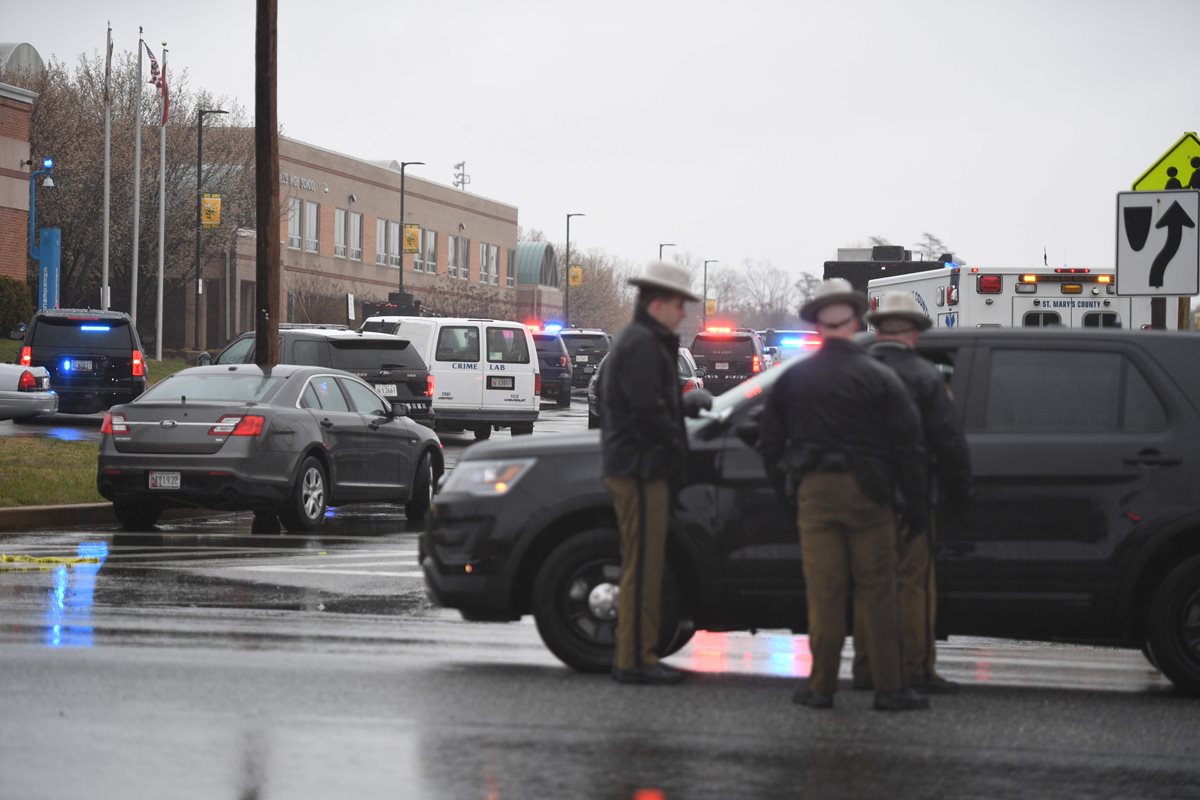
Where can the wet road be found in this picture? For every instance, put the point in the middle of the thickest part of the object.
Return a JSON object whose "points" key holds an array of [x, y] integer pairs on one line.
{"points": [[201, 661]]}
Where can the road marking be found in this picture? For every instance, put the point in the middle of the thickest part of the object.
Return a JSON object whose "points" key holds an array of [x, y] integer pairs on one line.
{"points": [[320, 570]]}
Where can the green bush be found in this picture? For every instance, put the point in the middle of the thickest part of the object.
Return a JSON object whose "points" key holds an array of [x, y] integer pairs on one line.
{"points": [[15, 304]]}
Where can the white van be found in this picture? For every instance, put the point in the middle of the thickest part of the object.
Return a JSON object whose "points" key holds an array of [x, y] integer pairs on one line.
{"points": [[485, 371]]}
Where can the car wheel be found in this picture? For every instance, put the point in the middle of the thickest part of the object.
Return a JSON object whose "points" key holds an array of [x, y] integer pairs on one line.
{"points": [[1173, 629], [564, 398], [575, 601], [136, 515], [522, 429], [422, 493], [483, 432], [305, 509]]}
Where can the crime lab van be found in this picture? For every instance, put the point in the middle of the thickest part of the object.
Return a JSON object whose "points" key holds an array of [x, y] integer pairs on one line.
{"points": [[485, 371], [990, 297]]}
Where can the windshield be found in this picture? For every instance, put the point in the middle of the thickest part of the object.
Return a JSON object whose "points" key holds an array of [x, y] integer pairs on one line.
{"points": [[713, 346], [247, 388], [98, 332], [586, 343], [745, 392], [547, 344], [371, 354]]}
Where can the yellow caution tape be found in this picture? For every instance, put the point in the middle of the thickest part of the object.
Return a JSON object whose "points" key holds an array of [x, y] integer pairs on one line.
{"points": [[68, 560]]}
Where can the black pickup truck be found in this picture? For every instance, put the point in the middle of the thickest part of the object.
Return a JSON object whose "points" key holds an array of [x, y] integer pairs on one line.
{"points": [[1084, 527], [389, 363]]}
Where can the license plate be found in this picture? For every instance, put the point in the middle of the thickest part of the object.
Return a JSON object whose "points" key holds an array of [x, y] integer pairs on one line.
{"points": [[387, 389], [581, 359], [164, 480], [722, 365], [506, 383], [81, 365]]}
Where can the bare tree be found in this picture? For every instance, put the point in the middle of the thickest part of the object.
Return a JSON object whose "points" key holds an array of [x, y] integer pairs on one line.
{"points": [[931, 247]]}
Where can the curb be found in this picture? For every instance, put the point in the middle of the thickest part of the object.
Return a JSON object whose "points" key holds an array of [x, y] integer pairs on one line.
{"points": [[32, 518]]}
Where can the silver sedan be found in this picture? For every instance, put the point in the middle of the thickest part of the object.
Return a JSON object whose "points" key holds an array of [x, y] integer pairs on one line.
{"points": [[25, 393]]}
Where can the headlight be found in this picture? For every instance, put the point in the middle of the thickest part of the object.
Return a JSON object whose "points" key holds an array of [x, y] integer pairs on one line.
{"points": [[487, 478]]}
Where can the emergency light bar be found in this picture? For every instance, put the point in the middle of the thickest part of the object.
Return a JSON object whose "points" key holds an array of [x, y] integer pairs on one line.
{"points": [[719, 330]]}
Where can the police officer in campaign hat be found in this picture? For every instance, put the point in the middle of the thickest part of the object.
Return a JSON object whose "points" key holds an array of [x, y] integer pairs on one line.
{"points": [[644, 452], [898, 322], [841, 437]]}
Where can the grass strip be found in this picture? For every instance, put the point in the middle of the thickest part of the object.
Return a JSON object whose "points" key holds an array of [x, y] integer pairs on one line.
{"points": [[35, 472]]}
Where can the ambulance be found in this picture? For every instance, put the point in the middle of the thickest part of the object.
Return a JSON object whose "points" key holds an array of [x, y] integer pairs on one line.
{"points": [[993, 297]]}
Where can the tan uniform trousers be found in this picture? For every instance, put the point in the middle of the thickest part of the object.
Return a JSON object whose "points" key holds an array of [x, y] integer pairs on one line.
{"points": [[845, 535], [917, 594], [642, 510]]}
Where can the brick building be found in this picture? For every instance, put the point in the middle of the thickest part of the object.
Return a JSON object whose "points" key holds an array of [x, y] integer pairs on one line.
{"points": [[16, 106]]}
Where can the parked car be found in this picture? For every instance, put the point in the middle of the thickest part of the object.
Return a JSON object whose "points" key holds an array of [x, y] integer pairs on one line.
{"points": [[587, 348], [554, 362], [94, 358], [691, 377], [728, 357], [285, 441], [486, 370], [25, 393], [392, 365], [1084, 526]]}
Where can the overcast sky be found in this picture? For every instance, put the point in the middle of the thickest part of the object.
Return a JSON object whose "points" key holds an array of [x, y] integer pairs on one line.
{"points": [[762, 130]]}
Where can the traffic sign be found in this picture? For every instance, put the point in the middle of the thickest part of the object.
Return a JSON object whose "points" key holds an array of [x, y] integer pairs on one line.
{"points": [[575, 277], [1179, 168], [1158, 245], [710, 307]]}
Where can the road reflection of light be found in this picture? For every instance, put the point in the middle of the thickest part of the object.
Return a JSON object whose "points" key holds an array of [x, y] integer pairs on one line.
{"points": [[982, 672], [69, 610], [67, 434], [773, 654]]}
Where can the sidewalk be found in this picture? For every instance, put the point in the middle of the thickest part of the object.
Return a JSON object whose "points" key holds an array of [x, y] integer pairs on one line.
{"points": [[32, 518]]}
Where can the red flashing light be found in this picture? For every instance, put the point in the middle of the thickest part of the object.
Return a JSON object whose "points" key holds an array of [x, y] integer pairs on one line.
{"points": [[26, 383], [1072, 270], [139, 366], [755, 364], [533, 327], [990, 284], [812, 341], [429, 383], [26, 356], [719, 329]]}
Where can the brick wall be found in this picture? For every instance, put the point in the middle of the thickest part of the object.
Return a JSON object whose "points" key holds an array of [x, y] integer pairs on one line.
{"points": [[14, 243], [14, 120]]}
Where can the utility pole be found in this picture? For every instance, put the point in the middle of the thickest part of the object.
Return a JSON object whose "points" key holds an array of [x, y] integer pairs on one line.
{"points": [[266, 185]]}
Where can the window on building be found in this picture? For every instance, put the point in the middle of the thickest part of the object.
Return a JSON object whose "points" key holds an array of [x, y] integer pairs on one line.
{"points": [[339, 232], [381, 241], [429, 250], [510, 269], [356, 236], [311, 226], [294, 220], [394, 257], [464, 258], [494, 263], [483, 262], [452, 256]]}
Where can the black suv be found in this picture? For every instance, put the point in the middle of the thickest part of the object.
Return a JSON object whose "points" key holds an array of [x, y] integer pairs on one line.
{"points": [[587, 348], [95, 358], [554, 362], [1084, 527], [389, 363], [728, 357]]}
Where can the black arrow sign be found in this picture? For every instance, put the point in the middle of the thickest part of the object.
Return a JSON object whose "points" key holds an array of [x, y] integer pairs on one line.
{"points": [[1175, 220]]}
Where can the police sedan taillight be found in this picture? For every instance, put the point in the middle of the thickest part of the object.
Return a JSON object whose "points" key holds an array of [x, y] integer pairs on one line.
{"points": [[26, 356], [27, 383], [113, 424], [230, 425]]}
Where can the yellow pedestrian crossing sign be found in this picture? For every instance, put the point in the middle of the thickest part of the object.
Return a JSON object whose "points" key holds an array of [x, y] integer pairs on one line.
{"points": [[575, 276], [1179, 168]]}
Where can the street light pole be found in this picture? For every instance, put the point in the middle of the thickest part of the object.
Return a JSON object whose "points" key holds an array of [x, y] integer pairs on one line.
{"points": [[704, 296], [47, 165], [661, 246], [403, 166], [567, 265], [199, 188]]}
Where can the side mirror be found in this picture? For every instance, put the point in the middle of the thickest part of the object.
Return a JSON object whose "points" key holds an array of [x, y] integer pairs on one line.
{"points": [[399, 409], [701, 372], [696, 401], [203, 360]]}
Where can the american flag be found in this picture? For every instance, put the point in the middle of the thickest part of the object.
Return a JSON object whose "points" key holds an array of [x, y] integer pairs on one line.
{"points": [[154, 75]]}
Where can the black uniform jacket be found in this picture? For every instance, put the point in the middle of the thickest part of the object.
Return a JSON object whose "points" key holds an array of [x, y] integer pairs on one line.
{"points": [[641, 414], [945, 442], [841, 409]]}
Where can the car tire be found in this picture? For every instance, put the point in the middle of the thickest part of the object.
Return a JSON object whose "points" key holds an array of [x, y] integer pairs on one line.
{"points": [[1173, 629], [135, 515], [483, 432], [574, 604], [422, 492], [522, 428], [305, 509]]}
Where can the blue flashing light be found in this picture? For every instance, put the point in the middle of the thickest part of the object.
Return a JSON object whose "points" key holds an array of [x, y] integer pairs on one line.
{"points": [[66, 365], [330, 512], [553, 327], [792, 342], [47, 163], [950, 265], [95, 328]]}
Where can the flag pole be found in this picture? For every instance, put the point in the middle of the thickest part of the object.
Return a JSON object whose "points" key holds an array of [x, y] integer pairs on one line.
{"points": [[137, 180], [107, 166], [162, 207]]}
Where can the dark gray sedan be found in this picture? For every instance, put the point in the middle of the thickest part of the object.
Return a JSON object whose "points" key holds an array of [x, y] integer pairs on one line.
{"points": [[285, 442]]}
